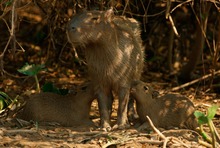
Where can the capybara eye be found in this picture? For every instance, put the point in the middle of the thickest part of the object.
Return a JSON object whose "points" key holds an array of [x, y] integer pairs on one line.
{"points": [[73, 28], [146, 88], [84, 87]]}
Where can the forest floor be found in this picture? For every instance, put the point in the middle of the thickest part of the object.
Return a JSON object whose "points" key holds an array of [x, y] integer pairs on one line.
{"points": [[14, 134]]}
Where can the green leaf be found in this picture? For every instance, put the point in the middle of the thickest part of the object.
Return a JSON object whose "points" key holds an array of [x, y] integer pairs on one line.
{"points": [[205, 136], [202, 118], [63, 92], [2, 104], [198, 114], [49, 87], [8, 3], [31, 70], [2, 94], [212, 111], [5, 100]]}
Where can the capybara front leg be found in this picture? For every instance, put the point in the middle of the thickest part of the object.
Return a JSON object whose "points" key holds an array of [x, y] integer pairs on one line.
{"points": [[103, 103], [122, 121]]}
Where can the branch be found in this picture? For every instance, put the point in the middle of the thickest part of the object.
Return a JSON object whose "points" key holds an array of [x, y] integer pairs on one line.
{"points": [[195, 81]]}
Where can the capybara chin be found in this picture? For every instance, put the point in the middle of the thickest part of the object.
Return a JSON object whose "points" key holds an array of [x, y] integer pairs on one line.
{"points": [[167, 111], [114, 54], [69, 110]]}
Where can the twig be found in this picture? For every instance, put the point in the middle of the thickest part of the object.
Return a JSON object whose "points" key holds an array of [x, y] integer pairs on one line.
{"points": [[12, 31], [176, 140], [155, 129], [19, 131], [120, 139], [156, 142], [168, 9], [202, 25], [158, 132], [194, 81], [207, 105], [126, 5], [173, 25], [166, 139], [95, 133], [179, 5], [216, 133], [12, 37], [205, 144]]}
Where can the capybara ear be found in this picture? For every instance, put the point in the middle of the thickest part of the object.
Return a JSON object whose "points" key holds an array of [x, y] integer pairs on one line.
{"points": [[134, 83], [109, 15], [80, 10]]}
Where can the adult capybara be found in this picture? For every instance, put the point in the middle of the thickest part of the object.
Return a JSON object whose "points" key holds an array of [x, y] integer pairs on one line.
{"points": [[68, 110], [167, 111], [114, 54]]}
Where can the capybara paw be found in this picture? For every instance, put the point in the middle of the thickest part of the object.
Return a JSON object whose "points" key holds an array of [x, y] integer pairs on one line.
{"points": [[105, 127], [121, 126], [132, 117], [143, 127]]}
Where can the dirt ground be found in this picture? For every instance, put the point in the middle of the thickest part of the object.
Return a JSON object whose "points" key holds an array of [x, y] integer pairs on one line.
{"points": [[18, 133]]}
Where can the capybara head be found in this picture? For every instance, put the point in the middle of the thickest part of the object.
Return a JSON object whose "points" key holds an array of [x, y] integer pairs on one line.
{"points": [[86, 27], [142, 91]]}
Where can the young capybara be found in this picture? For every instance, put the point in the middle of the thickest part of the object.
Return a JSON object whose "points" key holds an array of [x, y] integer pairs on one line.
{"points": [[167, 111], [114, 54], [69, 110]]}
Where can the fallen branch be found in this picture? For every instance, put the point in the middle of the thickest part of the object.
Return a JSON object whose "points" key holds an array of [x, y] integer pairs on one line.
{"points": [[153, 142], [155, 129], [195, 81], [205, 144], [19, 131], [166, 139]]}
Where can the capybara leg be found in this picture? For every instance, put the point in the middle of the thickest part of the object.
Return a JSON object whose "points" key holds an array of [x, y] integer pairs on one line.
{"points": [[144, 126], [103, 103], [122, 121], [132, 114], [110, 101]]}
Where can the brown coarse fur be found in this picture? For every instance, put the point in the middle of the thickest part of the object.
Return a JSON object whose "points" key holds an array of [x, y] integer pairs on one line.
{"points": [[114, 53], [69, 110], [167, 111]]}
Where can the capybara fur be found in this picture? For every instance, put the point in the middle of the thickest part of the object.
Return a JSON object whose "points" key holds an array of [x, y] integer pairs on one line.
{"points": [[167, 111], [69, 110], [114, 54]]}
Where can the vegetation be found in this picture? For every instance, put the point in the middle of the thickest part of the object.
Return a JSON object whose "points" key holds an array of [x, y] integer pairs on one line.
{"points": [[32, 70], [207, 119]]}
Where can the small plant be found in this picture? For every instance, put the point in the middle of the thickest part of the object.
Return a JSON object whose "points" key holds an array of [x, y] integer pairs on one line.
{"points": [[49, 87], [32, 70], [8, 102], [207, 119], [5, 100]]}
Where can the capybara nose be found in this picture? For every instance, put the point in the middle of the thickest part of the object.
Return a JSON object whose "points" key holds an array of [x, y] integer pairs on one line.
{"points": [[72, 28]]}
